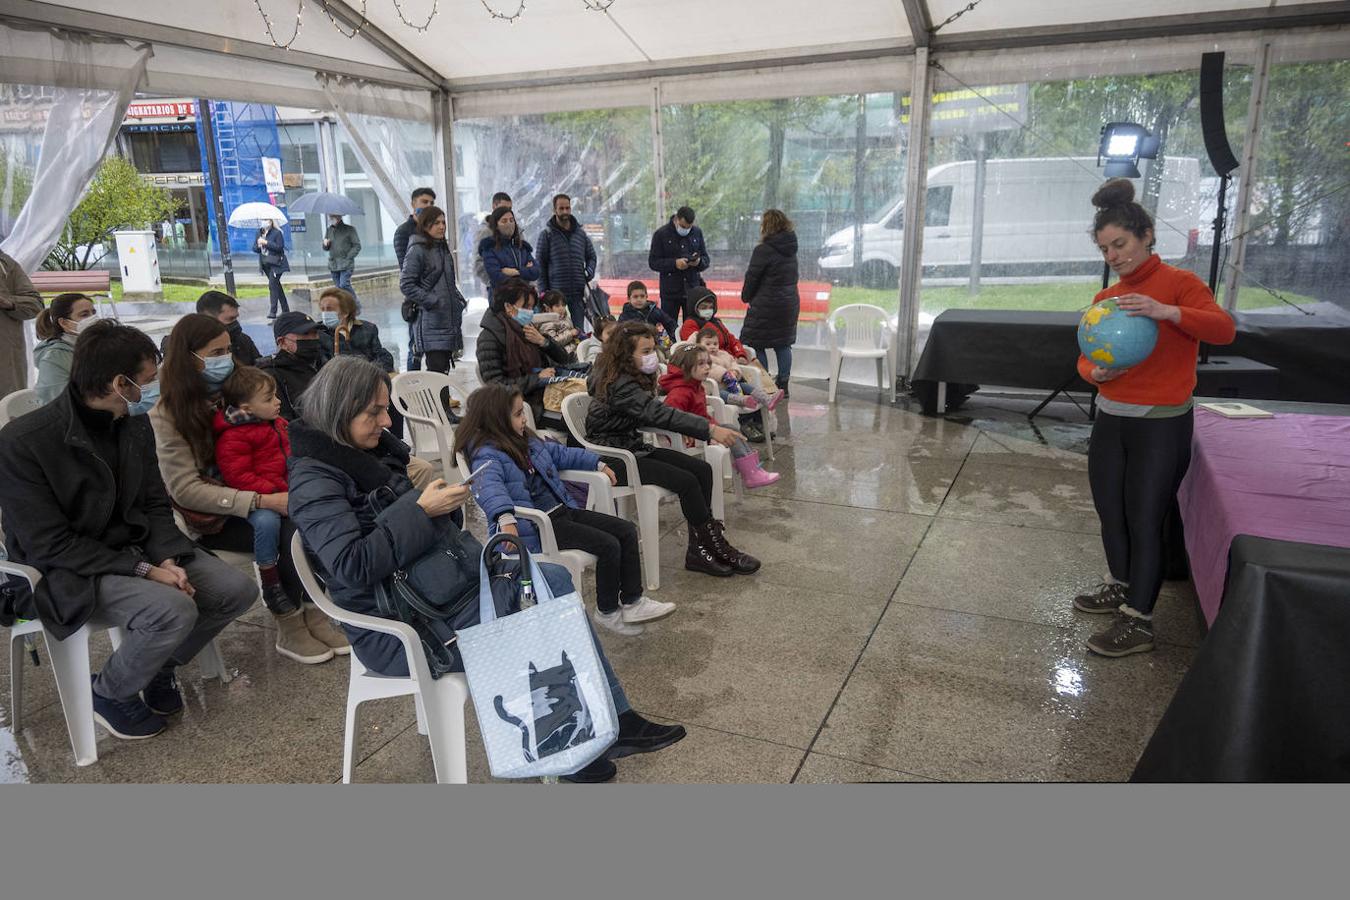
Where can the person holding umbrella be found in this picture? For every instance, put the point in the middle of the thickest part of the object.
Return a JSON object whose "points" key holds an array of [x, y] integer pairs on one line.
{"points": [[270, 246], [343, 244]]}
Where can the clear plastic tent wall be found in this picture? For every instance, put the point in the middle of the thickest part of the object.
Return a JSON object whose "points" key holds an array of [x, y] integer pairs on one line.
{"points": [[63, 100]]}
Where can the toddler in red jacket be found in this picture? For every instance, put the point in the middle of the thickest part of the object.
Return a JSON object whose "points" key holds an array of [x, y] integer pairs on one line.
{"points": [[252, 445], [683, 387]]}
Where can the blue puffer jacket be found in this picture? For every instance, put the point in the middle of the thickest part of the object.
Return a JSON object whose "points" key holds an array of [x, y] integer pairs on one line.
{"points": [[566, 259], [517, 254], [428, 280], [504, 485]]}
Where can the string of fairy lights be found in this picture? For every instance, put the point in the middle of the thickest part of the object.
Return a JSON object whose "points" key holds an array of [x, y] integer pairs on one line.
{"points": [[420, 27]]}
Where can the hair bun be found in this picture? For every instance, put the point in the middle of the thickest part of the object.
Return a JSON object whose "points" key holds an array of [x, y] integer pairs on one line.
{"points": [[1116, 192]]}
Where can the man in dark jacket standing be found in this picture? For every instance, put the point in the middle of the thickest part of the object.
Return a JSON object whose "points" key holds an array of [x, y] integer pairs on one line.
{"points": [[679, 256], [421, 199], [566, 259], [296, 361], [83, 503]]}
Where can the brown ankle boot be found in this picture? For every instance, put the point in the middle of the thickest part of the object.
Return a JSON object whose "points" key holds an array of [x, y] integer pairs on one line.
{"points": [[295, 642], [700, 556], [326, 630], [740, 563]]}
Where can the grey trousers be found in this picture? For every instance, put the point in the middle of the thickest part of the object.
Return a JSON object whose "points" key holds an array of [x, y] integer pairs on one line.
{"points": [[166, 627]]}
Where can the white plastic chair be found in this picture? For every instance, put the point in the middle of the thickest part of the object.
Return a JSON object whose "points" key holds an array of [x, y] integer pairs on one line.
{"points": [[440, 701], [549, 433], [861, 331], [715, 455], [575, 561], [17, 404], [418, 396], [647, 497]]}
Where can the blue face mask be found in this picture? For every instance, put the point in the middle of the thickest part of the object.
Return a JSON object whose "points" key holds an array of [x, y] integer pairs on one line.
{"points": [[524, 315], [149, 397], [683, 232], [329, 318], [218, 368]]}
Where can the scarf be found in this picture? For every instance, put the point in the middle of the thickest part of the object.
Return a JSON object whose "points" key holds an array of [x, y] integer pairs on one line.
{"points": [[522, 357]]}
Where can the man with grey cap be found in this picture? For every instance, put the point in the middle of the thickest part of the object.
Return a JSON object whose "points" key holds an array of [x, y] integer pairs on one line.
{"points": [[296, 360]]}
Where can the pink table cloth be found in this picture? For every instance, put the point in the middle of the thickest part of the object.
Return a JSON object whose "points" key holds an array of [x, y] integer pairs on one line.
{"points": [[1286, 478]]}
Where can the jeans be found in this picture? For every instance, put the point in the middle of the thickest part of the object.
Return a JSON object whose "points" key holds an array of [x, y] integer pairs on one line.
{"points": [[783, 355], [237, 537], [266, 526], [614, 542], [1135, 467], [577, 307], [414, 358], [274, 292], [343, 280], [164, 625], [740, 449]]}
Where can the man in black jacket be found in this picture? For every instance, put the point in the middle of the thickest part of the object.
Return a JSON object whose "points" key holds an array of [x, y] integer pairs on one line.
{"points": [[296, 361], [84, 504], [225, 310], [679, 255], [421, 198]]}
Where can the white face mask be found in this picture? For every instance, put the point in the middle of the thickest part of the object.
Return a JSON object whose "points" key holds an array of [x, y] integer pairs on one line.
{"points": [[705, 312], [650, 364]]}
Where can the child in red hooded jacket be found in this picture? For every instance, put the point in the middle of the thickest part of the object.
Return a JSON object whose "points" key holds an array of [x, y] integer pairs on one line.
{"points": [[683, 387], [252, 445]]}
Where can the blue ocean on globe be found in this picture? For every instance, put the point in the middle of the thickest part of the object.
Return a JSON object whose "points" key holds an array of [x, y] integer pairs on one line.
{"points": [[1113, 339]]}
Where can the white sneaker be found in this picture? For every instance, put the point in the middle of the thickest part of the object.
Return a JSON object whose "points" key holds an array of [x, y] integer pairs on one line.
{"points": [[645, 610], [615, 622]]}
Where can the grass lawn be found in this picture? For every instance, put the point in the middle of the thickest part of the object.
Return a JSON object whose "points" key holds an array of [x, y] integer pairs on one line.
{"points": [[1055, 296], [188, 293]]}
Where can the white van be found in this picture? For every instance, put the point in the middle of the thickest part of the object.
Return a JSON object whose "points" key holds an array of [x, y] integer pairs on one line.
{"points": [[1036, 212]]}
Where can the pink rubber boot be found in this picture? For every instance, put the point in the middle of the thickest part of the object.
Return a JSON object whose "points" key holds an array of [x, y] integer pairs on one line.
{"points": [[749, 469]]}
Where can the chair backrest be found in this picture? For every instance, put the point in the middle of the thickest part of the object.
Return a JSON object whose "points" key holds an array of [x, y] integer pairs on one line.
{"points": [[325, 603], [574, 409], [418, 396], [17, 404], [592, 352], [859, 326]]}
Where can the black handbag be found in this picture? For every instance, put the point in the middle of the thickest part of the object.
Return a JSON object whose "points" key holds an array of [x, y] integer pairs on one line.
{"points": [[437, 594]]}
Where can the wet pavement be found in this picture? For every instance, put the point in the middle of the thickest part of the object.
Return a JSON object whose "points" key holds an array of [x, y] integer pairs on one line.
{"points": [[911, 622]]}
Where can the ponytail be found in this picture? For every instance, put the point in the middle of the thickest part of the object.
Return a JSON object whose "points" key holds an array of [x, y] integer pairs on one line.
{"points": [[48, 325]]}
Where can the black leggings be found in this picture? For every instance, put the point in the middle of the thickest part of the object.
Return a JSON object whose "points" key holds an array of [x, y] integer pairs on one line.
{"points": [[1135, 467], [614, 541], [237, 537], [688, 476], [275, 292]]}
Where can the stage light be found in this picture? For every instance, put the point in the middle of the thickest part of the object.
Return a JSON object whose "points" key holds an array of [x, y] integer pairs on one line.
{"points": [[1122, 145]]}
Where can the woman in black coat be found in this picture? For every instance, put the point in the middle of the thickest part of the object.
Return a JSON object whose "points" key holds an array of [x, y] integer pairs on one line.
{"points": [[343, 458], [343, 334], [770, 292], [271, 249], [511, 351]]}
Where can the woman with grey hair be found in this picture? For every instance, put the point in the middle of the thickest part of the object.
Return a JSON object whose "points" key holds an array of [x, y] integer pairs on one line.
{"points": [[342, 458]]}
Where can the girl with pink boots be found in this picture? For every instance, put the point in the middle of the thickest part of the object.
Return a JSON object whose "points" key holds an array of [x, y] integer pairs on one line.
{"points": [[683, 387]]}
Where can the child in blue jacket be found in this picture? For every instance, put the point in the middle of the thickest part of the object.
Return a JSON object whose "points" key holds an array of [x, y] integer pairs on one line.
{"points": [[523, 471]]}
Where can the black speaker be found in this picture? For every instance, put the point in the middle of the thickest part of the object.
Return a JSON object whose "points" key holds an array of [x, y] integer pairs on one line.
{"points": [[1211, 114]]}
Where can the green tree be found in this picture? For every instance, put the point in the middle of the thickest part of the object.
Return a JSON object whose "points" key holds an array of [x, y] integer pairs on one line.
{"points": [[118, 198]]}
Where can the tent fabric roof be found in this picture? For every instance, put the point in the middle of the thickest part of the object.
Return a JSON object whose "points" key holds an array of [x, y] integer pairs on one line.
{"points": [[464, 49]]}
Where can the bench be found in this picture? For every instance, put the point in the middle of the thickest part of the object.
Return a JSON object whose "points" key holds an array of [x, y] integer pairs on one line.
{"points": [[94, 283]]}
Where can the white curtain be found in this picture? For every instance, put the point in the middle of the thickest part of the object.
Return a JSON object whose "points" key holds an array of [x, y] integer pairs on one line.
{"points": [[62, 99], [392, 133]]}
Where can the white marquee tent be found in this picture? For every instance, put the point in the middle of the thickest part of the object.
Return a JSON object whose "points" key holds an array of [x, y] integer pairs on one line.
{"points": [[365, 59]]}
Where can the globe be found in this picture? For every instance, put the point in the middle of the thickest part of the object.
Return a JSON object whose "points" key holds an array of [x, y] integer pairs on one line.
{"points": [[1114, 339]]}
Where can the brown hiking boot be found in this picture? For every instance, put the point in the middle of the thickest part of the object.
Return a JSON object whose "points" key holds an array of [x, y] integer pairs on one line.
{"points": [[1107, 598], [1127, 634], [295, 642], [326, 630]]}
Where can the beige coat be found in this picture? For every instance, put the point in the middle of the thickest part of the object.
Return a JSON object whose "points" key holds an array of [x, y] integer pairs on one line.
{"points": [[183, 474], [19, 302]]}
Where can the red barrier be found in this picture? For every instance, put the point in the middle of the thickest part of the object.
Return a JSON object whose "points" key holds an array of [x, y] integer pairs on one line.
{"points": [[815, 297]]}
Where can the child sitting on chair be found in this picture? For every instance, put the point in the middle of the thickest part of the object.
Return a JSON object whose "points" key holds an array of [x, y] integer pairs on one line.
{"points": [[733, 389], [252, 445], [553, 321], [683, 386], [590, 348], [640, 309], [523, 471]]}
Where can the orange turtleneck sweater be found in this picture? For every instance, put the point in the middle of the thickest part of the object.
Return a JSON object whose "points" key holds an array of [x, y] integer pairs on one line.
{"points": [[1167, 377]]}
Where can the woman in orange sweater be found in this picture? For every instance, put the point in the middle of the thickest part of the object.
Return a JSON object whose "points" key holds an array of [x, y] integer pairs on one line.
{"points": [[1141, 440]]}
